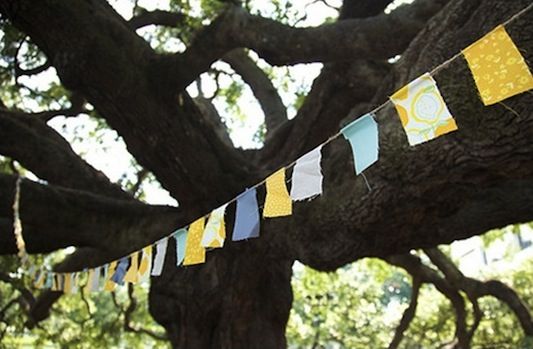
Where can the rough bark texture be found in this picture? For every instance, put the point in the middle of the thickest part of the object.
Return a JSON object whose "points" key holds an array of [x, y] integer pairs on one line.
{"points": [[460, 185]]}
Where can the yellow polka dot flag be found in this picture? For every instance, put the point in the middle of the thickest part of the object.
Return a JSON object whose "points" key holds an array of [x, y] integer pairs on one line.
{"points": [[194, 252], [278, 202], [422, 110], [498, 68]]}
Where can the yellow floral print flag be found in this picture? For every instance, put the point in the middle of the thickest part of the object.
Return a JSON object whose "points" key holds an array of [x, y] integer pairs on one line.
{"points": [[498, 68], [194, 252], [278, 202], [422, 110]]}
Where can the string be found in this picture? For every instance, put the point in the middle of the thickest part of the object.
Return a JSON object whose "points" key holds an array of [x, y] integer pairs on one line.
{"points": [[339, 133], [17, 224]]}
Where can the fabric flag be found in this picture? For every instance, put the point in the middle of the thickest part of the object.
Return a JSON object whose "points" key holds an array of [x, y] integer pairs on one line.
{"points": [[49, 280], [246, 216], [181, 243], [215, 229], [498, 68], [40, 279], [109, 285], [145, 264], [278, 202], [75, 279], [120, 271], [194, 252], [57, 282], [422, 110], [132, 275], [307, 176], [363, 137], [94, 285], [68, 283], [160, 253], [90, 277]]}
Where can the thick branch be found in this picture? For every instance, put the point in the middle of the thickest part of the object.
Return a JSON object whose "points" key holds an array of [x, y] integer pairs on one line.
{"points": [[54, 218], [362, 8], [279, 44], [261, 85], [42, 150]]}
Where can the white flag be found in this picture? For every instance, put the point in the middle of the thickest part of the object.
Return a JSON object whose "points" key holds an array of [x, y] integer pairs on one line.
{"points": [[161, 251], [306, 176]]}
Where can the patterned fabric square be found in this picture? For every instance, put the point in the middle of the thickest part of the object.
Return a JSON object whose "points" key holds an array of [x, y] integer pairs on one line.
{"points": [[422, 110], [278, 202], [498, 68]]}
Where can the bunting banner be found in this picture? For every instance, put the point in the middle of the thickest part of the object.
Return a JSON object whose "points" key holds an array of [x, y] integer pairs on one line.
{"points": [[363, 137], [307, 176], [194, 252], [422, 110], [246, 216], [499, 72], [278, 202], [498, 68]]}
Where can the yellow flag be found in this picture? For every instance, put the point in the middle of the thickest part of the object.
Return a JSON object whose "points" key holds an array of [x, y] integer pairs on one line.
{"points": [[145, 264], [215, 231], [90, 280], [67, 286], [109, 284], [132, 275], [194, 252], [39, 282], [278, 202], [498, 68]]}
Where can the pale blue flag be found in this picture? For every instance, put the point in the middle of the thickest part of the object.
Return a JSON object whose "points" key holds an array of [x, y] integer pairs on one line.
{"points": [[247, 216], [120, 272], [160, 253], [363, 137], [181, 242]]}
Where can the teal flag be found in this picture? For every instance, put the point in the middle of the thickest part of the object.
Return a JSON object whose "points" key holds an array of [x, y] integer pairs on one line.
{"points": [[363, 137]]}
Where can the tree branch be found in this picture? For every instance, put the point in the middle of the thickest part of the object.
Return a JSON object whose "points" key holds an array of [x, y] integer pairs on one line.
{"points": [[476, 289], [157, 17], [279, 44], [408, 314], [54, 218], [261, 85], [42, 150]]}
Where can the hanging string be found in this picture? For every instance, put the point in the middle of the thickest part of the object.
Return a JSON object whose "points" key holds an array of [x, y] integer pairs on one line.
{"points": [[17, 224]]}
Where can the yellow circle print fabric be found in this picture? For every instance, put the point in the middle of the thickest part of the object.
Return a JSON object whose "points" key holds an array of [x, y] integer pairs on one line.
{"points": [[498, 68], [422, 110]]}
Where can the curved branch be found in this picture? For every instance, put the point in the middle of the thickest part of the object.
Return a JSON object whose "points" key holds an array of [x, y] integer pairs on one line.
{"points": [[261, 85], [279, 44], [408, 314], [42, 150], [476, 289], [31, 71], [157, 17]]}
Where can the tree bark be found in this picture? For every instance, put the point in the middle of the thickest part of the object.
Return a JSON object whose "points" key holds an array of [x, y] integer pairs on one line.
{"points": [[459, 185]]}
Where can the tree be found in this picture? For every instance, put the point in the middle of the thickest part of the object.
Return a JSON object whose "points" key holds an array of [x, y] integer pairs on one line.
{"points": [[457, 186]]}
